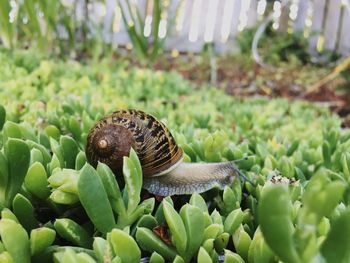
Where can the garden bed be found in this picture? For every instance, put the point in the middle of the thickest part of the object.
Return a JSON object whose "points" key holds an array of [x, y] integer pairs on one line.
{"points": [[295, 153], [239, 75]]}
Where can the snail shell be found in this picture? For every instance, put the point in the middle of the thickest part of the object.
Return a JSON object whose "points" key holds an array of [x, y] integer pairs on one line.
{"points": [[113, 136], [164, 173]]}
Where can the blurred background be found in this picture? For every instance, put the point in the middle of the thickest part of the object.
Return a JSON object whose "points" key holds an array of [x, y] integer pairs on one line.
{"points": [[292, 48]]}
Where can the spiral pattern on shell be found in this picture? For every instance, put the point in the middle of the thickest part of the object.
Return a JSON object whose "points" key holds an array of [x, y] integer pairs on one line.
{"points": [[113, 136]]}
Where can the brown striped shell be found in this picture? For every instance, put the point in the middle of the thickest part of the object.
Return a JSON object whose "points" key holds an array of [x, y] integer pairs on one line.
{"points": [[112, 137]]}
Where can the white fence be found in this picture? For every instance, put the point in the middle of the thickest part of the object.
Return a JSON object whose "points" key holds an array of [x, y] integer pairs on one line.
{"points": [[325, 22]]}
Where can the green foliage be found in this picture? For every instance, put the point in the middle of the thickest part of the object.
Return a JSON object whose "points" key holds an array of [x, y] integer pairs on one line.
{"points": [[53, 27], [56, 207], [276, 46], [34, 22], [146, 48], [6, 28]]}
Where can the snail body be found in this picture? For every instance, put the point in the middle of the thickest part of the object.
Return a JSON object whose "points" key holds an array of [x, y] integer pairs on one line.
{"points": [[164, 172]]}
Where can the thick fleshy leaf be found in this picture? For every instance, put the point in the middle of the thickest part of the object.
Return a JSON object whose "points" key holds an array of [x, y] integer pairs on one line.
{"points": [[242, 241], [18, 157], [112, 188], [233, 221], [156, 258], [53, 131], [336, 246], [24, 211], [178, 259], [231, 257], [275, 210], [8, 214], [92, 192], [68, 256], [150, 242], [2, 116], [216, 217], [176, 226], [160, 213], [80, 160], [193, 220], [70, 150], [15, 240], [133, 180], [147, 221], [198, 201], [84, 258], [74, 127], [203, 256], [230, 199], [102, 249], [46, 155], [36, 181], [5, 257], [36, 156], [208, 245], [40, 239], [58, 151], [4, 177], [73, 232], [258, 250], [124, 246], [135, 159], [11, 130], [212, 231], [221, 241], [324, 192], [54, 164], [64, 198]]}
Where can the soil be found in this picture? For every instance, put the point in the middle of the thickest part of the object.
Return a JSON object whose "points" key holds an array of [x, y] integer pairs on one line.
{"points": [[239, 79], [240, 76]]}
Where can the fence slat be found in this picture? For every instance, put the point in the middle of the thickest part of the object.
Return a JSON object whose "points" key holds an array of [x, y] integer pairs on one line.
{"points": [[210, 22], [284, 18], [344, 42], [108, 20], [303, 7], [142, 7], [332, 23], [252, 13], [202, 17], [173, 9], [181, 41], [235, 18], [121, 37], [223, 16], [316, 27], [219, 23], [80, 10], [230, 45]]}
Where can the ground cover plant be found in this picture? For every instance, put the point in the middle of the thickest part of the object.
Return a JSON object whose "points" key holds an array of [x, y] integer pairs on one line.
{"points": [[57, 208]]}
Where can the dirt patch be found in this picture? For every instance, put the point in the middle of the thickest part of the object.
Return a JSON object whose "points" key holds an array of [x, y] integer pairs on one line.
{"points": [[245, 78], [240, 76]]}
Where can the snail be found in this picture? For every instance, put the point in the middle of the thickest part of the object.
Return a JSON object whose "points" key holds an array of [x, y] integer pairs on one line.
{"points": [[164, 172]]}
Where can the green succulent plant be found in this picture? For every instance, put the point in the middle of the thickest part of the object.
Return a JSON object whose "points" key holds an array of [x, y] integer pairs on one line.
{"points": [[61, 209]]}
